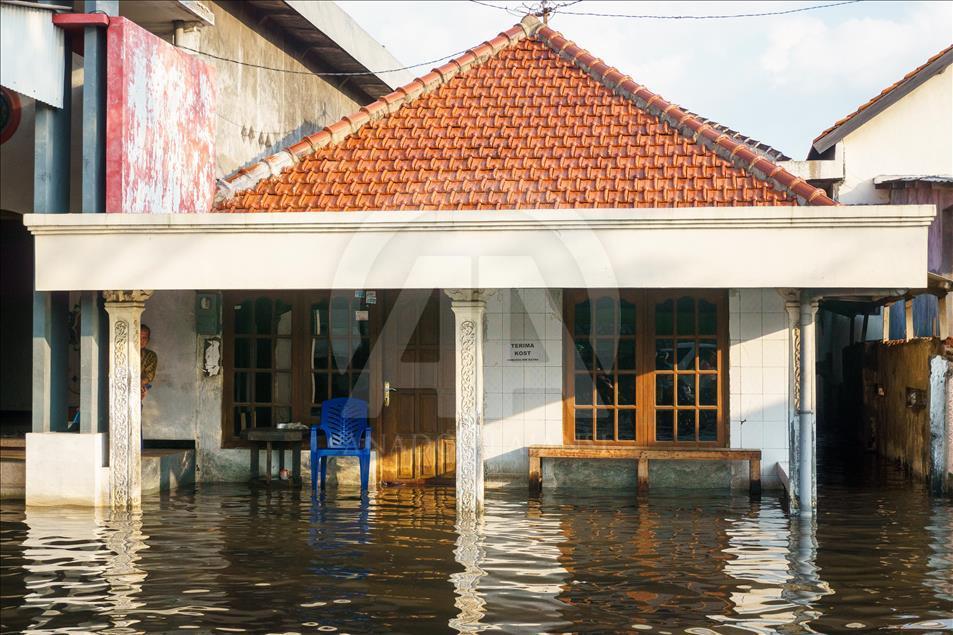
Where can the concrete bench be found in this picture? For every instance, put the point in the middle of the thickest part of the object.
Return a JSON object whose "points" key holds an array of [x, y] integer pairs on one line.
{"points": [[642, 455]]}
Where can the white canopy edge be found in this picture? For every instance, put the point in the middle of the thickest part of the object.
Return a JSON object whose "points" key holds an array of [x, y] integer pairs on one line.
{"points": [[816, 247]]}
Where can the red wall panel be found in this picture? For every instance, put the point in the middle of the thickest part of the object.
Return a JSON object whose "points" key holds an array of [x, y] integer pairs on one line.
{"points": [[160, 127]]}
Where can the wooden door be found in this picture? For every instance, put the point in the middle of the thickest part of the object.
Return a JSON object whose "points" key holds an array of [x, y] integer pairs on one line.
{"points": [[417, 360]]}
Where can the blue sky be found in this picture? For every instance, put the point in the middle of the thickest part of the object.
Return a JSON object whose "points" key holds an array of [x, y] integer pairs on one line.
{"points": [[779, 79]]}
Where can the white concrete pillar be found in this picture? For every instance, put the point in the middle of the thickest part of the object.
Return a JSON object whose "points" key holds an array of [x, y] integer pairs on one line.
{"points": [[469, 310], [90, 363], [807, 428], [792, 303], [125, 402]]}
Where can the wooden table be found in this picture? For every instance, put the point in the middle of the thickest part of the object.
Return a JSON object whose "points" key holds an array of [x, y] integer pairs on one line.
{"points": [[275, 439]]}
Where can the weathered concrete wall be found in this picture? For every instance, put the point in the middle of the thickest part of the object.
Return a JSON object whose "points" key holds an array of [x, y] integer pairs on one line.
{"points": [[941, 424], [260, 111], [899, 431]]}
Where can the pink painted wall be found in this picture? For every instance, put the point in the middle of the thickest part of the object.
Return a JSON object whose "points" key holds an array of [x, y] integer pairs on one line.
{"points": [[160, 125]]}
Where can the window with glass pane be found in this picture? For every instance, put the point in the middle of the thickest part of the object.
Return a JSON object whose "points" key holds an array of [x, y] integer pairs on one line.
{"points": [[340, 349], [603, 366], [687, 375], [261, 363]]}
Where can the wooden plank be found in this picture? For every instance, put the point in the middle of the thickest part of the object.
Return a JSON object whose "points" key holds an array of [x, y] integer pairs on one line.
{"points": [[908, 332], [754, 476], [535, 474], [643, 475], [636, 452], [885, 319]]}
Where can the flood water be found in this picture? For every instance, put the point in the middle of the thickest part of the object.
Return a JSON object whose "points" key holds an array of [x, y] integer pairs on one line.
{"points": [[879, 557]]}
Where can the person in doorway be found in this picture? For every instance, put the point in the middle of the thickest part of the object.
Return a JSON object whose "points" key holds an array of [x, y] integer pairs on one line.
{"points": [[149, 361]]}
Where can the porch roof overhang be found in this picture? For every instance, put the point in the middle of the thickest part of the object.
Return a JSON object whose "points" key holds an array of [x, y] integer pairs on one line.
{"points": [[805, 247]]}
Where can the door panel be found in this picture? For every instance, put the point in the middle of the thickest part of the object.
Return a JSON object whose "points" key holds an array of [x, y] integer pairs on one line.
{"points": [[416, 444]]}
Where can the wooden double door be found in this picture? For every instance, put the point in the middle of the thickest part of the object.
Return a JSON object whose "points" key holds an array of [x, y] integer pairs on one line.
{"points": [[417, 422]]}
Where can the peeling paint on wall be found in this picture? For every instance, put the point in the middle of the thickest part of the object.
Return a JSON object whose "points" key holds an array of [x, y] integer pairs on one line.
{"points": [[160, 137]]}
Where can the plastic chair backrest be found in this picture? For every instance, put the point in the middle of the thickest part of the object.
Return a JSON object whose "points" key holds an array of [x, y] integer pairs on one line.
{"points": [[343, 422]]}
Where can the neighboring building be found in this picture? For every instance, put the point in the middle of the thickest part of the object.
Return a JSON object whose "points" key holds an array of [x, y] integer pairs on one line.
{"points": [[275, 72], [662, 272], [897, 148]]}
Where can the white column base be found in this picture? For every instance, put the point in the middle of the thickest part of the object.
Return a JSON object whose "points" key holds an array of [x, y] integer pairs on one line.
{"points": [[66, 469]]}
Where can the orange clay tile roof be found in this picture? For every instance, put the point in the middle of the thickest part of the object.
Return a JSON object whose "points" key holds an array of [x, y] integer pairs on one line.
{"points": [[863, 108], [525, 120]]}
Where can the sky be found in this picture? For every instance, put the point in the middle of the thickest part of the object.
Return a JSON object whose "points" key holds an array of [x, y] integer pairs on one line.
{"points": [[779, 79]]}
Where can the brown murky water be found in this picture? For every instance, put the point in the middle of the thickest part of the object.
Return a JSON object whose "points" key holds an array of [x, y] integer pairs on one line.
{"points": [[233, 559]]}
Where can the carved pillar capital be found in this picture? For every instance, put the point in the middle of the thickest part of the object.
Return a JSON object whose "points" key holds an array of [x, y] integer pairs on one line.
{"points": [[469, 295], [135, 296]]}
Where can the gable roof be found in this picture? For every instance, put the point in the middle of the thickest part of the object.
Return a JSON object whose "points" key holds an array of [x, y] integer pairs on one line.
{"points": [[887, 97], [525, 120]]}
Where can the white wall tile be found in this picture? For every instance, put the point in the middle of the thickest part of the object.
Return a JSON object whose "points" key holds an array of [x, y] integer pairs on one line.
{"points": [[513, 437], [534, 377], [534, 406], [534, 326], [554, 407], [512, 405], [752, 434], [775, 379], [534, 432], [492, 353], [554, 326], [554, 433], [751, 381], [750, 326], [515, 323], [775, 434], [534, 300], [493, 405], [751, 407], [512, 378], [492, 379], [750, 353], [494, 326], [775, 353], [750, 301], [775, 407], [493, 433], [554, 377], [734, 326], [734, 300], [771, 301], [553, 352], [775, 326]]}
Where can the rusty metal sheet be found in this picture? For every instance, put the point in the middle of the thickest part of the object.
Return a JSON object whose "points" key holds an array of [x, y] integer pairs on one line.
{"points": [[160, 128]]}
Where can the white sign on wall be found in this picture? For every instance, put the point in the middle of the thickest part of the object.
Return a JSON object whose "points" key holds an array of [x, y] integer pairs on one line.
{"points": [[525, 351]]}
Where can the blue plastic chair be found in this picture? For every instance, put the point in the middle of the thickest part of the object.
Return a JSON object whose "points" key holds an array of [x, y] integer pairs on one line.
{"points": [[348, 433]]}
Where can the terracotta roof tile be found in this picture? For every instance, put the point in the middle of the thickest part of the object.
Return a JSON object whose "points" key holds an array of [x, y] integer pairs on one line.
{"points": [[526, 120]]}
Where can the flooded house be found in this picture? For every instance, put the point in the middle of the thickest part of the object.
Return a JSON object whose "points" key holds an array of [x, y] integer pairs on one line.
{"points": [[534, 270]]}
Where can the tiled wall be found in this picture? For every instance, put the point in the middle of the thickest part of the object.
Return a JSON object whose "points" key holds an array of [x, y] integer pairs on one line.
{"points": [[758, 376], [523, 399]]}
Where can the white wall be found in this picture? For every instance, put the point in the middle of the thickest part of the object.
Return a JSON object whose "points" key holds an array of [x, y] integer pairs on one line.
{"points": [[523, 400], [758, 377], [912, 136]]}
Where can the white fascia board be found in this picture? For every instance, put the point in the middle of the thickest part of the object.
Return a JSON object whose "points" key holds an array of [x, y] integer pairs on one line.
{"points": [[335, 23], [806, 247]]}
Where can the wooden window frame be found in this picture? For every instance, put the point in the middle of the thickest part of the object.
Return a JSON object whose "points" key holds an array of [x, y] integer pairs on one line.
{"points": [[645, 366], [300, 302]]}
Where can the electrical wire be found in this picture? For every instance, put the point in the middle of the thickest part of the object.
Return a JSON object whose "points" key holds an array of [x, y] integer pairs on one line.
{"points": [[650, 16], [320, 74]]}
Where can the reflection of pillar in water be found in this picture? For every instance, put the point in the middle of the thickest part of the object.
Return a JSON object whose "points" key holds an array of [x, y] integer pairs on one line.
{"points": [[806, 586], [469, 553], [63, 559], [124, 539], [940, 561]]}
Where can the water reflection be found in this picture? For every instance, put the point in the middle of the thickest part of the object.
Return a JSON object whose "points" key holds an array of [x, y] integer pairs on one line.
{"points": [[78, 561], [399, 560]]}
